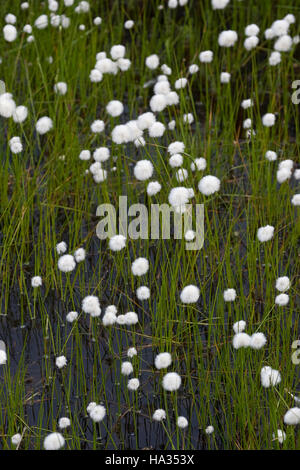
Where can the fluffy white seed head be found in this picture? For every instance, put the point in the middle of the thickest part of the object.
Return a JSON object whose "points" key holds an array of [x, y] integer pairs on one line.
{"points": [[115, 108], [61, 361], [258, 341], [209, 185], [91, 305], [54, 441], [171, 381], [190, 294], [239, 326], [265, 233], [143, 170], [163, 360], [44, 125], [159, 415], [227, 38], [292, 416], [241, 340]]}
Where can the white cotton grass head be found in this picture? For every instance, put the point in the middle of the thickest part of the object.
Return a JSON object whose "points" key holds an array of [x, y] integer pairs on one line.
{"points": [[158, 103], [209, 430], [283, 283], [269, 377], [15, 145], [182, 422], [128, 24], [145, 120], [117, 52], [115, 108], [219, 4], [189, 235], [97, 126], [91, 305], [44, 125], [152, 61], [140, 266], [66, 263], [162, 87], [227, 38], [280, 436], [143, 170], [178, 197], [206, 57], [229, 295], [248, 103], [297, 174], [225, 77], [176, 160], [296, 200], [143, 293], [101, 154], [188, 118], [265, 233], [280, 27], [110, 316], [282, 300], [54, 441], [157, 130], [209, 185], [60, 88], [268, 119], [181, 175], [130, 318], [7, 105], [79, 255], [284, 43], [181, 83], [258, 341], [159, 415], [283, 174], [198, 164], [121, 134], [292, 416], [252, 30], [190, 294], [193, 68], [241, 340], [36, 281], [275, 58], [153, 188], [163, 360], [171, 381], [271, 155], [16, 439], [64, 422], [126, 368], [96, 76], [20, 114], [251, 42], [97, 413], [61, 361], [239, 326], [133, 384], [117, 242], [3, 357], [10, 33], [71, 317], [131, 352], [61, 248], [176, 147], [172, 98]]}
